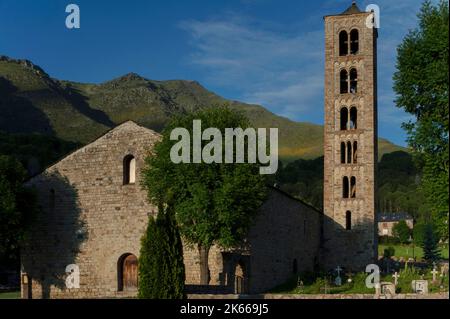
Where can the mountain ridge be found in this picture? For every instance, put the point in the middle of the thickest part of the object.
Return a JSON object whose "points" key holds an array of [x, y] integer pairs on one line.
{"points": [[33, 102]]}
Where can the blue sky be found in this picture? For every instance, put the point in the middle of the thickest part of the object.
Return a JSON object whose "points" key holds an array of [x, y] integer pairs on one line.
{"points": [[268, 52]]}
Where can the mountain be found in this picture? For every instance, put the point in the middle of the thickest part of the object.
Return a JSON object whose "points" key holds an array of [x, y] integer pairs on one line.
{"points": [[33, 102]]}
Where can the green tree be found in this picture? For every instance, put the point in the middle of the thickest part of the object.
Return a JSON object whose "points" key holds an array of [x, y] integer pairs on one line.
{"points": [[148, 266], [173, 255], [421, 84], [17, 206], [214, 203], [418, 232], [161, 267], [402, 231], [430, 244]]}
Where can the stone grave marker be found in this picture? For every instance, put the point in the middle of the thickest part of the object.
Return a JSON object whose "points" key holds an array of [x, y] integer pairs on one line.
{"points": [[420, 286], [387, 288], [434, 272], [396, 275]]}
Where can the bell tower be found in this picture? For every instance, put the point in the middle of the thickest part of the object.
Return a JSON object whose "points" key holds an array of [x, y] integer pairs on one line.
{"points": [[350, 140]]}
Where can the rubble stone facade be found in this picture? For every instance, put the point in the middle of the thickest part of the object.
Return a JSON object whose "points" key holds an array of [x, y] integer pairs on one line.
{"points": [[94, 217]]}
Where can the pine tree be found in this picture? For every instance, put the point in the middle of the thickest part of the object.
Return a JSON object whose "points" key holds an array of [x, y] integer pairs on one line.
{"points": [[430, 245]]}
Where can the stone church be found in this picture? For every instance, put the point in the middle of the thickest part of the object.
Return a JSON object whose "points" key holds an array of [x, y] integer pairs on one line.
{"points": [[94, 210]]}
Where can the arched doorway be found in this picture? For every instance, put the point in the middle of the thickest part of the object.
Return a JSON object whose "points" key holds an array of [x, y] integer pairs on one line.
{"points": [[240, 280], [127, 273]]}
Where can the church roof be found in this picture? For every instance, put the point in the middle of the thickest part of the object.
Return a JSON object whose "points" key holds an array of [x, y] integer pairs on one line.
{"points": [[276, 188], [352, 9], [393, 217]]}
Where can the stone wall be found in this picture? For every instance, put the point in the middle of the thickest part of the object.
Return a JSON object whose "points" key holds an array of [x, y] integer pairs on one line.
{"points": [[91, 219], [285, 231]]}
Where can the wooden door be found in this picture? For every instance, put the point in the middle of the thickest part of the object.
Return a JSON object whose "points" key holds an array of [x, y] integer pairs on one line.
{"points": [[130, 273]]}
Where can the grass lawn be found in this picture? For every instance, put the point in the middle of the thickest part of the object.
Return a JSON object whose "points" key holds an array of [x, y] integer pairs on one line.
{"points": [[406, 251], [10, 295]]}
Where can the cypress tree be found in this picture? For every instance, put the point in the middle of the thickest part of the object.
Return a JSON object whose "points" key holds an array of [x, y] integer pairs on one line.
{"points": [[161, 266], [149, 267], [172, 261]]}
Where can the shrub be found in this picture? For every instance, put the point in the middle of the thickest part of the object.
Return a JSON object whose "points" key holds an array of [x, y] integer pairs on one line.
{"points": [[389, 252], [402, 232]]}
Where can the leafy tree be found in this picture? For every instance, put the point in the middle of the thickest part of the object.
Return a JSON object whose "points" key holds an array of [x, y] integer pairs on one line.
{"points": [[161, 267], [214, 203], [17, 206], [418, 233], [430, 244], [402, 231], [421, 84]]}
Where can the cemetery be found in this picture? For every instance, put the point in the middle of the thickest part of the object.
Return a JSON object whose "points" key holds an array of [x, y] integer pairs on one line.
{"points": [[401, 279]]}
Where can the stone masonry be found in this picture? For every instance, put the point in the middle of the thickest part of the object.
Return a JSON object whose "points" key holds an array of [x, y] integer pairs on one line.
{"points": [[349, 223], [91, 218]]}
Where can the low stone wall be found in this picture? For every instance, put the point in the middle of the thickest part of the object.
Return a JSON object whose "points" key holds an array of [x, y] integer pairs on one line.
{"points": [[322, 296]]}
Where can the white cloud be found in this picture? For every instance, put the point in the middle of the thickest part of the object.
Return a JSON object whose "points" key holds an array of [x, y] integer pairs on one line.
{"points": [[281, 66], [275, 69]]}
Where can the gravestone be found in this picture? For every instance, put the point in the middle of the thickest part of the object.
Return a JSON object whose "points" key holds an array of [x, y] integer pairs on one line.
{"points": [[387, 288], [420, 286], [396, 276], [434, 272], [444, 269]]}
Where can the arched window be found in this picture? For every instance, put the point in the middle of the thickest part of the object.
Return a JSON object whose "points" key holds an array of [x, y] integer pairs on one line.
{"points": [[353, 187], [353, 81], [344, 81], [355, 152], [343, 153], [345, 190], [349, 152], [353, 118], [129, 170], [127, 273], [343, 43], [344, 118], [354, 41], [348, 220]]}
